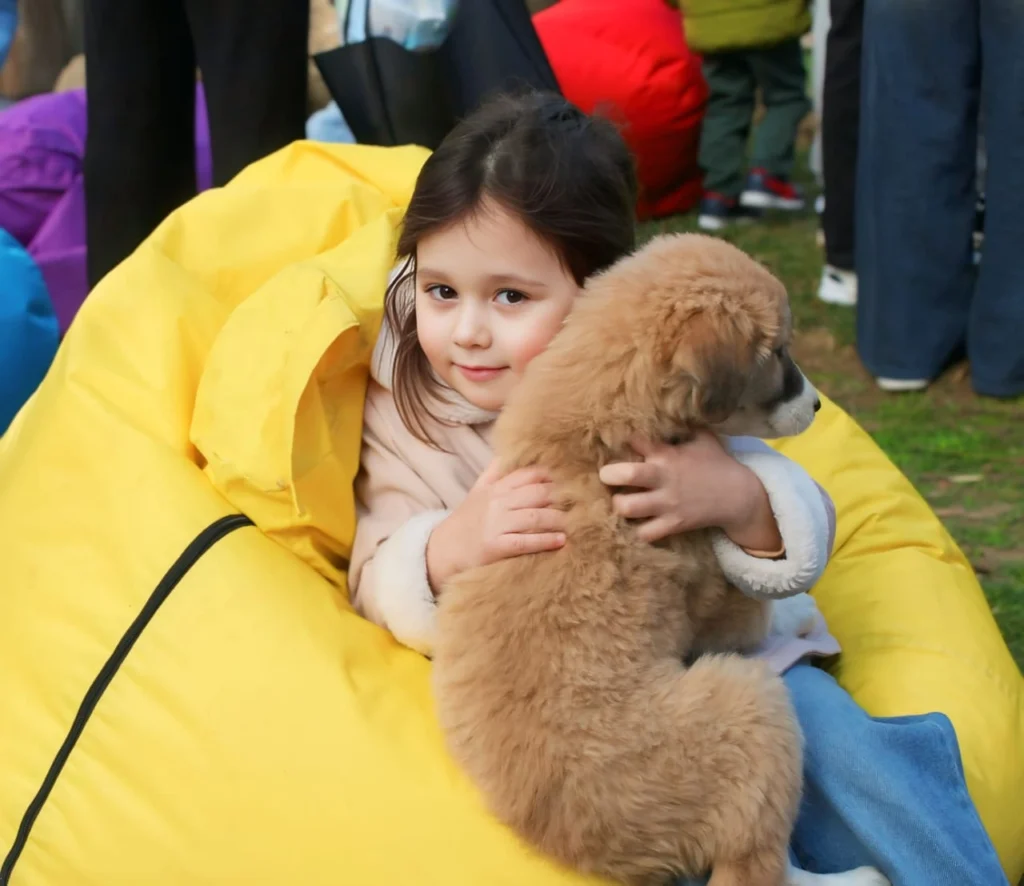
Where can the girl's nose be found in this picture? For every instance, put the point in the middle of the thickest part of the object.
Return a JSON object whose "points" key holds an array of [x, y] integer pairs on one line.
{"points": [[471, 328]]}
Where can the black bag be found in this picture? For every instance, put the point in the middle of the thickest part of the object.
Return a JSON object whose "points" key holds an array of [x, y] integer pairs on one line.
{"points": [[387, 94], [391, 96]]}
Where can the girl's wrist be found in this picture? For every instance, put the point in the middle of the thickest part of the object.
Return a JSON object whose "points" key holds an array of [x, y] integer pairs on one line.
{"points": [[750, 522], [440, 562]]}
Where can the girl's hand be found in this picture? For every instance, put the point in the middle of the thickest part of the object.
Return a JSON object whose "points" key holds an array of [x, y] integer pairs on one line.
{"points": [[690, 486], [501, 517]]}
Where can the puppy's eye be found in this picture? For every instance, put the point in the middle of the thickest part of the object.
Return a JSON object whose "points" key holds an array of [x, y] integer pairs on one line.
{"points": [[779, 353]]}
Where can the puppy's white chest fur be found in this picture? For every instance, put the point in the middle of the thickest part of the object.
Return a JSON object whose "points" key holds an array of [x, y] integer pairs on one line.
{"points": [[794, 616]]}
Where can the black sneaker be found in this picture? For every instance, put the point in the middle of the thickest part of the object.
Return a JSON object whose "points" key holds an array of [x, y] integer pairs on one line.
{"points": [[718, 211]]}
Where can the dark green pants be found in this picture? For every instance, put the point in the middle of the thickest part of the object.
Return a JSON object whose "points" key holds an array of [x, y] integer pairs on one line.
{"points": [[733, 79]]}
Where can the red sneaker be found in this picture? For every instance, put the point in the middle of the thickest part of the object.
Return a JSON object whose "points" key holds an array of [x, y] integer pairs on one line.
{"points": [[766, 191]]}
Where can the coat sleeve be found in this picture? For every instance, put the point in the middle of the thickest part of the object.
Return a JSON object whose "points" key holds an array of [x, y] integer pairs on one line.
{"points": [[807, 524], [396, 512]]}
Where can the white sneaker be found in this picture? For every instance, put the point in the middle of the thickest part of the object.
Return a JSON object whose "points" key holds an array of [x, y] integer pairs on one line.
{"points": [[838, 287], [902, 385]]}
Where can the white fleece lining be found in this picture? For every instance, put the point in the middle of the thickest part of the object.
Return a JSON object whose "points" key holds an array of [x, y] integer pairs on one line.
{"points": [[803, 519], [404, 602]]}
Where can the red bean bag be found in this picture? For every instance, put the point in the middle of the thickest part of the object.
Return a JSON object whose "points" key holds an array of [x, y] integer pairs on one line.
{"points": [[630, 61]]}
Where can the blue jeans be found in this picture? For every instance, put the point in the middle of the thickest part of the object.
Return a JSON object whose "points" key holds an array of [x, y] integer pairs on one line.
{"points": [[885, 792], [927, 70]]}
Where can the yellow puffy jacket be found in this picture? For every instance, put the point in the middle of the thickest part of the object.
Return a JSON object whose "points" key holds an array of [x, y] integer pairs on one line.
{"points": [[187, 698], [732, 25]]}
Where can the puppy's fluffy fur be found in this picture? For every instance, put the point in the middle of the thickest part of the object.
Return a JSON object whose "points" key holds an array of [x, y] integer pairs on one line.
{"points": [[560, 677]]}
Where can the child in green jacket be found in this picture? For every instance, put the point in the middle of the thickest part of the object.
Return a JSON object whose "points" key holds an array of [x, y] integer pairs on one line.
{"points": [[746, 45]]}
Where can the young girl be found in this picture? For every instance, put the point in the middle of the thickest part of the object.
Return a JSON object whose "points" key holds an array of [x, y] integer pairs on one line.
{"points": [[521, 203]]}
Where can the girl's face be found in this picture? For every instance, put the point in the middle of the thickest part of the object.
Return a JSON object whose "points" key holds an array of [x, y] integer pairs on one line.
{"points": [[490, 296]]}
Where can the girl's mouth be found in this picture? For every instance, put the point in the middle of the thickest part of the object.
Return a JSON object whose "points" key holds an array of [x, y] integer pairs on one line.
{"points": [[480, 373]]}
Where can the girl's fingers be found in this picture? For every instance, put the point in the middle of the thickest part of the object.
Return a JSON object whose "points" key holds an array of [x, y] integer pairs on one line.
{"points": [[535, 495], [535, 520], [656, 529], [638, 505], [526, 477], [516, 544], [638, 474]]}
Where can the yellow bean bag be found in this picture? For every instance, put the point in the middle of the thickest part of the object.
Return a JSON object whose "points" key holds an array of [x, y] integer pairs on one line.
{"points": [[188, 699]]}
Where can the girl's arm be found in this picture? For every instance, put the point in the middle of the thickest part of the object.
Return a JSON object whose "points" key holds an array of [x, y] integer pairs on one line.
{"points": [[396, 513], [774, 526], [407, 545]]}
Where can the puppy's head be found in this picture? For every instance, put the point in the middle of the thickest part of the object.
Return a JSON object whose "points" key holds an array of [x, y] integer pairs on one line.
{"points": [[708, 330], [778, 400]]}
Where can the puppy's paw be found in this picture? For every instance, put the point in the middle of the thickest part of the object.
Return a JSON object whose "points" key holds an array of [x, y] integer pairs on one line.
{"points": [[867, 877], [794, 616], [860, 877]]}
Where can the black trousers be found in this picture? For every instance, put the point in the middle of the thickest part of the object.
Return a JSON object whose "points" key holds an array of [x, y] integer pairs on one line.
{"points": [[840, 129], [141, 57]]}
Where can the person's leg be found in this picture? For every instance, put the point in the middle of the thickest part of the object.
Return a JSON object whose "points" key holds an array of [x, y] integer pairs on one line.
{"points": [[779, 71], [726, 126], [840, 121], [253, 57], [139, 156], [884, 792], [994, 344], [820, 23], [915, 190], [723, 139]]}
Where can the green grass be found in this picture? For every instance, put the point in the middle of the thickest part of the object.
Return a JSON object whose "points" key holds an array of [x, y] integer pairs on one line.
{"points": [[964, 453]]}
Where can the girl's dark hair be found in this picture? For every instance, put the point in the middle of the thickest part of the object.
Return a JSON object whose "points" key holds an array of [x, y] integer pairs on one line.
{"points": [[567, 175]]}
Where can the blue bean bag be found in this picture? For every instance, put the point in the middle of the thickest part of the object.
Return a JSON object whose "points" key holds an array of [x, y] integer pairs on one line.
{"points": [[28, 328], [8, 25]]}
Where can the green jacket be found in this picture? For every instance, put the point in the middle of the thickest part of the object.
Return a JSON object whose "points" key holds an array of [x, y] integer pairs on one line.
{"points": [[721, 25]]}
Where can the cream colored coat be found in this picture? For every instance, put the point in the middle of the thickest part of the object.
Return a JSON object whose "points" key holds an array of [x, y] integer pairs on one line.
{"points": [[405, 488]]}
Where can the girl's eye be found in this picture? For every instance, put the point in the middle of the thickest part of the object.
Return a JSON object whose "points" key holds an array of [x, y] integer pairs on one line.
{"points": [[441, 292], [511, 297]]}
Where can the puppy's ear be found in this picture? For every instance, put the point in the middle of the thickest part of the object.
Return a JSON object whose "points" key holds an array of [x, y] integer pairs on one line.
{"points": [[718, 354]]}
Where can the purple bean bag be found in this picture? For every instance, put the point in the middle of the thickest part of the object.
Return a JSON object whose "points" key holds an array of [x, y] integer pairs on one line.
{"points": [[42, 193]]}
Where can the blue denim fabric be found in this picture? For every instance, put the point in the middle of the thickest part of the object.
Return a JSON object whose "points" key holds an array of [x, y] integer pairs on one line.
{"points": [[927, 70], [885, 792]]}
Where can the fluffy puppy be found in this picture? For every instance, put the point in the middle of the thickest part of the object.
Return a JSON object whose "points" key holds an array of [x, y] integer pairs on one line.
{"points": [[561, 678]]}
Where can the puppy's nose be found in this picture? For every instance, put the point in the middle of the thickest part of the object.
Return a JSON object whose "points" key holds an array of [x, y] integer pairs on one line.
{"points": [[817, 404]]}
